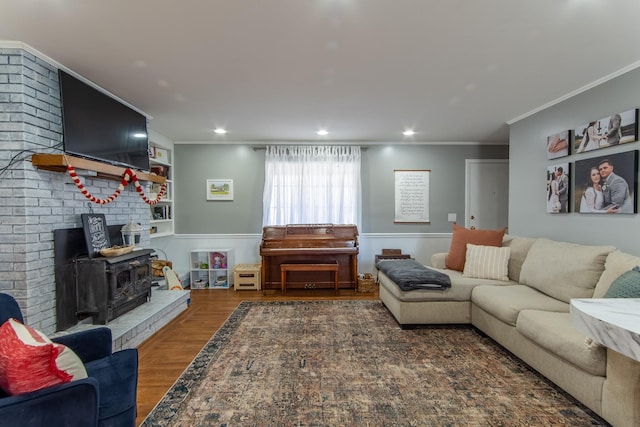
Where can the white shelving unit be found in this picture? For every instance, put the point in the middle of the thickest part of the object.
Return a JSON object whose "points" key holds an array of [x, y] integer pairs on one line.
{"points": [[161, 222], [211, 268]]}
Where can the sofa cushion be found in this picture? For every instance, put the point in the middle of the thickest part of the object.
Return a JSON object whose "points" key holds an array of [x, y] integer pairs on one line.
{"points": [[626, 286], [29, 360], [617, 263], [117, 377], [461, 236], [438, 260], [564, 270], [519, 249], [506, 302], [487, 262], [460, 289], [554, 332]]}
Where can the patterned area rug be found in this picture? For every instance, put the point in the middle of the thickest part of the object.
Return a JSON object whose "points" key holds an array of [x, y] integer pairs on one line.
{"points": [[347, 363]]}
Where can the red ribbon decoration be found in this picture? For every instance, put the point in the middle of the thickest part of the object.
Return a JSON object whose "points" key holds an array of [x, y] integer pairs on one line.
{"points": [[128, 176]]}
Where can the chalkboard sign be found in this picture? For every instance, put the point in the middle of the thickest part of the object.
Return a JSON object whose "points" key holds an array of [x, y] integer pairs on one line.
{"points": [[95, 233]]}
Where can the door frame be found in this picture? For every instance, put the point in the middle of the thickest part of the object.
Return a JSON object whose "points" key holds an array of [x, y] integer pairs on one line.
{"points": [[467, 193]]}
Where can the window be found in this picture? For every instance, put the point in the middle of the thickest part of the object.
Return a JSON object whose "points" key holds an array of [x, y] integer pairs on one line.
{"points": [[312, 185]]}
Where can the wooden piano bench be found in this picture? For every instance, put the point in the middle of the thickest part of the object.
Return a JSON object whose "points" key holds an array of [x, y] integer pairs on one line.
{"points": [[284, 268]]}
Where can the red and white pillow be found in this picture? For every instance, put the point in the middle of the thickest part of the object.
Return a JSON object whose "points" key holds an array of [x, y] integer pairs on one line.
{"points": [[29, 360]]}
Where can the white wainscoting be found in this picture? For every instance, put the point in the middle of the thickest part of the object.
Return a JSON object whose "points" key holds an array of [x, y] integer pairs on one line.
{"points": [[246, 247]]}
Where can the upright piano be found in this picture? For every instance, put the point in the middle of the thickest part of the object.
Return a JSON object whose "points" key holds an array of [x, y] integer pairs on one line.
{"points": [[309, 244]]}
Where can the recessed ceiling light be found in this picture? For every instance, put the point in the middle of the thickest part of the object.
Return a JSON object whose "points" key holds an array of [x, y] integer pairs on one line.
{"points": [[220, 131], [323, 132], [409, 132]]}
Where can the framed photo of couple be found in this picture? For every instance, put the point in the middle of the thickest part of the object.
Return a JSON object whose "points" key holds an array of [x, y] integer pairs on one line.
{"points": [[607, 184], [617, 129], [558, 188]]}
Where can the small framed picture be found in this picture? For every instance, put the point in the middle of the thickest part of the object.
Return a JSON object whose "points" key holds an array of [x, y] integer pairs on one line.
{"points": [[558, 145], [219, 189]]}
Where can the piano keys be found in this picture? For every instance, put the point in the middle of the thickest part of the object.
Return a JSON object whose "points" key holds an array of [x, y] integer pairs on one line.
{"points": [[309, 244]]}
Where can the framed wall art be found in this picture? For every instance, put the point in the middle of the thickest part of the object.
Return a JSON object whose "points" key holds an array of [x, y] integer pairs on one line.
{"points": [[411, 195], [558, 144], [619, 128], [607, 184], [558, 188], [219, 189]]}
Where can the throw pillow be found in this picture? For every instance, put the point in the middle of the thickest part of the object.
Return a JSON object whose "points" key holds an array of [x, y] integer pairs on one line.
{"points": [[617, 263], [563, 270], [30, 361], [625, 286], [461, 236], [487, 262]]}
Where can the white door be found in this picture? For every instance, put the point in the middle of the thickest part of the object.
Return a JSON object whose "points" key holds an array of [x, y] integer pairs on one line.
{"points": [[487, 193]]}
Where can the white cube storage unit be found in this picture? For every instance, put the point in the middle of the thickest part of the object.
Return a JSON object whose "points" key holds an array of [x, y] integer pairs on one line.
{"points": [[211, 268], [246, 276]]}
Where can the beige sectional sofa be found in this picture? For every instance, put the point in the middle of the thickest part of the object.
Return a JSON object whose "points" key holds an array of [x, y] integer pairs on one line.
{"points": [[529, 316]]}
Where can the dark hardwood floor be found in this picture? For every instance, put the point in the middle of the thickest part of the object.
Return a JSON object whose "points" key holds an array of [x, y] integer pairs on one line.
{"points": [[165, 355]]}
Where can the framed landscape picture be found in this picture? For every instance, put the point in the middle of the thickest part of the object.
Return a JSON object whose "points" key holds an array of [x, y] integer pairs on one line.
{"points": [[607, 184], [619, 128], [219, 189], [558, 188]]}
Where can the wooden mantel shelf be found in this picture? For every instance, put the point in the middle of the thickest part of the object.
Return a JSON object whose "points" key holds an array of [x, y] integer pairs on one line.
{"points": [[60, 162]]}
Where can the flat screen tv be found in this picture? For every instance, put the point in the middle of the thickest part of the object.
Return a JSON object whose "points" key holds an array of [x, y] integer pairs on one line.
{"points": [[97, 126]]}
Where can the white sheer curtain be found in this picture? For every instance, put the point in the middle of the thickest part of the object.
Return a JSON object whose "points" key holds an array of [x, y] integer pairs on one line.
{"points": [[312, 185]]}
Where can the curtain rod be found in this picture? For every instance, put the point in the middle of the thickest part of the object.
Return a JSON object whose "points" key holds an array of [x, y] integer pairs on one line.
{"points": [[264, 147]]}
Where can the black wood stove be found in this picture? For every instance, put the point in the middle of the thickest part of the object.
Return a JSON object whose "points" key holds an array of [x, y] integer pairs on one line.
{"points": [[99, 288]]}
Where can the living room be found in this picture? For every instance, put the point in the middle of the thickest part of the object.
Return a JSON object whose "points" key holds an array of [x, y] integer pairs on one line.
{"points": [[36, 201]]}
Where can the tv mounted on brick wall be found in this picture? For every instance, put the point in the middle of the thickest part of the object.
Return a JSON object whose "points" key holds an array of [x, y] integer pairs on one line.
{"points": [[98, 127]]}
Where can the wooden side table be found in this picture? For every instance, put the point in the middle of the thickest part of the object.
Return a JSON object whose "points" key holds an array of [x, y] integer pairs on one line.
{"points": [[246, 276]]}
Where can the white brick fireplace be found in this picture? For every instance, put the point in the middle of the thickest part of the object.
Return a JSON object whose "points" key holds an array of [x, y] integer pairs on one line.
{"points": [[35, 202]]}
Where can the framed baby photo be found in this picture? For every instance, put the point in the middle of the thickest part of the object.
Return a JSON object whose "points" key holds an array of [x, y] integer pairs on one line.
{"points": [[558, 144], [607, 184], [617, 129], [558, 188]]}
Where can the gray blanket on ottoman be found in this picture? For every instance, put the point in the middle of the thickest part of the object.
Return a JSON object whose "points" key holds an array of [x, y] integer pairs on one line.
{"points": [[409, 274]]}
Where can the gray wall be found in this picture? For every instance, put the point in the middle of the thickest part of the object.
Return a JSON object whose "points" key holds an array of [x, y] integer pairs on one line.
{"points": [[528, 166], [195, 163]]}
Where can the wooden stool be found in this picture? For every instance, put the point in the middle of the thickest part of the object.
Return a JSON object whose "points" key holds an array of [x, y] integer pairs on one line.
{"points": [[246, 276]]}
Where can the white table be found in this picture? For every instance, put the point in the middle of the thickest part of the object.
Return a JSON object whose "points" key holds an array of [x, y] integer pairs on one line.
{"points": [[612, 322]]}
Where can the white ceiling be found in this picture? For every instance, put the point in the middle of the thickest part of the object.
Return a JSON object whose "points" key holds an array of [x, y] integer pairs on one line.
{"points": [[277, 70]]}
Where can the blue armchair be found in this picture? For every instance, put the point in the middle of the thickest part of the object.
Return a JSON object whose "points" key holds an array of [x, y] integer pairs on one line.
{"points": [[107, 398]]}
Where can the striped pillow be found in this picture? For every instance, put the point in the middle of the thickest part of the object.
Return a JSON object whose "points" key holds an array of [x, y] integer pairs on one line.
{"points": [[30, 361], [487, 262]]}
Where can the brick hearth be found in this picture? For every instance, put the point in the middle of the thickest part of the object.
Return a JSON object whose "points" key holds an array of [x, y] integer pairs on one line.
{"points": [[132, 328]]}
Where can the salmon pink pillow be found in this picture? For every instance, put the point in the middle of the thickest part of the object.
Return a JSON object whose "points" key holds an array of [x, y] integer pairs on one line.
{"points": [[30, 361], [461, 236]]}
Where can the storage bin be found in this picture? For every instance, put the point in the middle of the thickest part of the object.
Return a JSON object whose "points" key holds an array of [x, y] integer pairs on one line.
{"points": [[367, 283]]}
